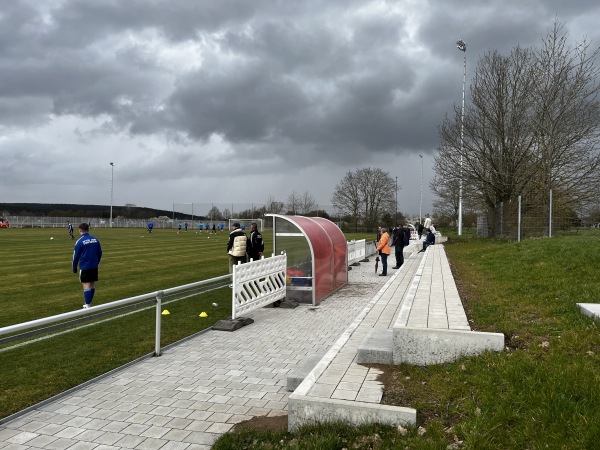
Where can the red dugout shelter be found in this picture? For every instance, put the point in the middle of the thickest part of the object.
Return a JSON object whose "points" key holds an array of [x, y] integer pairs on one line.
{"points": [[317, 255]]}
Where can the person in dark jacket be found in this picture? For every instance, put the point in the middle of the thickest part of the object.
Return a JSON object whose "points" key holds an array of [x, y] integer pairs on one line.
{"points": [[87, 255], [401, 240], [256, 246], [429, 240]]}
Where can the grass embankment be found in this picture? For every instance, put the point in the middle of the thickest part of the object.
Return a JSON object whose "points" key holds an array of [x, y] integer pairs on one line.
{"points": [[543, 391]]}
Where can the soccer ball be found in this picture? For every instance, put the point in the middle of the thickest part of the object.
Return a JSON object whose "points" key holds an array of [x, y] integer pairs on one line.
{"points": [[209, 237], [51, 238]]}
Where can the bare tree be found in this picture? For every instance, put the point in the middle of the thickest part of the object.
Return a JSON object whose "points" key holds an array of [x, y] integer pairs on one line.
{"points": [[493, 156], [294, 203], [214, 213], [367, 194], [273, 206], [532, 125], [347, 198], [566, 118], [307, 203]]}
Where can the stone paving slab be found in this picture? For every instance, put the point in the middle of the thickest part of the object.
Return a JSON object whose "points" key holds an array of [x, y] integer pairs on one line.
{"points": [[199, 389], [435, 303], [339, 388]]}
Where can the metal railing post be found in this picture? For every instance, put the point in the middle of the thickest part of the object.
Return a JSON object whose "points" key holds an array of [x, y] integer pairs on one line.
{"points": [[159, 295]]}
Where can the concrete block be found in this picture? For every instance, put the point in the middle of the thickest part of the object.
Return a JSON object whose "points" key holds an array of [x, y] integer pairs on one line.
{"points": [[232, 324], [590, 310], [304, 410], [298, 373], [426, 346], [288, 304], [376, 348]]}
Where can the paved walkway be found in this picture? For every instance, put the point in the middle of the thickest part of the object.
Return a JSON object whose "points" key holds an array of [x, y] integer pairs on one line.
{"points": [[197, 390]]}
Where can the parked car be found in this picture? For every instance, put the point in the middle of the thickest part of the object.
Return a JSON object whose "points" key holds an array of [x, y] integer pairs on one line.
{"points": [[4, 223]]}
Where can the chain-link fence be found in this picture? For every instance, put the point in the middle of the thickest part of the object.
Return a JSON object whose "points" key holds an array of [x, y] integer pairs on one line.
{"points": [[532, 217], [94, 222]]}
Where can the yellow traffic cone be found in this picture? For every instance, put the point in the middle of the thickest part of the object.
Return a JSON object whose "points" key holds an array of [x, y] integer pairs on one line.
{"points": [[165, 312], [203, 314]]}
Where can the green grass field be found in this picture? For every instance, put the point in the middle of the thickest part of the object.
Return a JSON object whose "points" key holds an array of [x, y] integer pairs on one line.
{"points": [[36, 281]]}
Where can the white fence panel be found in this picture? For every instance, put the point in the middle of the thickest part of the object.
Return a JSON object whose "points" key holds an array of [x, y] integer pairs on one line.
{"points": [[356, 251], [257, 284], [351, 251]]}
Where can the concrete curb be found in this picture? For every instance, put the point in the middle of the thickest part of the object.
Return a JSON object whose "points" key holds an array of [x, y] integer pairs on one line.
{"points": [[304, 410], [426, 346]]}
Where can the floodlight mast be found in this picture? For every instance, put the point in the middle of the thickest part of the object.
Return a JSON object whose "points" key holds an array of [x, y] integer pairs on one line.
{"points": [[112, 178], [421, 201], [462, 46]]}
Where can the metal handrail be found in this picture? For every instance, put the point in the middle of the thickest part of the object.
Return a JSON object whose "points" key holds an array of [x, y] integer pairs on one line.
{"points": [[158, 295]]}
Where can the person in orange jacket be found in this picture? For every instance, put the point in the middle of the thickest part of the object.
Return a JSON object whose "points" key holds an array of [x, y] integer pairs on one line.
{"points": [[383, 247]]}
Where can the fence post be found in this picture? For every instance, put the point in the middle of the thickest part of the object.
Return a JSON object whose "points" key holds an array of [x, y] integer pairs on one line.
{"points": [[550, 216], [501, 218], [159, 295], [519, 222]]}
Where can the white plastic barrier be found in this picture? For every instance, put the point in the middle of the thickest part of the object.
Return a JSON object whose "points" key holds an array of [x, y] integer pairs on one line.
{"points": [[257, 284], [414, 234], [356, 251]]}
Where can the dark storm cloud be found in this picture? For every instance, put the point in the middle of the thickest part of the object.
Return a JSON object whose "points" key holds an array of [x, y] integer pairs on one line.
{"points": [[301, 82], [175, 90]]}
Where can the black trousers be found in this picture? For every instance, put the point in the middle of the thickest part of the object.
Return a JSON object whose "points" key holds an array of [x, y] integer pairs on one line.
{"points": [[399, 255]]}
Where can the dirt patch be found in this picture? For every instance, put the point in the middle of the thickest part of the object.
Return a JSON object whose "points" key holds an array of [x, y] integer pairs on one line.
{"points": [[263, 423]]}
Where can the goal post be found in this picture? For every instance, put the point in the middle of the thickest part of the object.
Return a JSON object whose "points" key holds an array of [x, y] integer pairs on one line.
{"points": [[245, 223]]}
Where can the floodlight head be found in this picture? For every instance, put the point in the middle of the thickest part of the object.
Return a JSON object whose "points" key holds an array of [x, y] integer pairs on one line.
{"points": [[461, 45], [112, 164]]}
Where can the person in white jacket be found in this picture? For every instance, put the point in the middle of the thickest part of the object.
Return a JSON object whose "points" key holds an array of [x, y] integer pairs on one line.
{"points": [[236, 246], [427, 223]]}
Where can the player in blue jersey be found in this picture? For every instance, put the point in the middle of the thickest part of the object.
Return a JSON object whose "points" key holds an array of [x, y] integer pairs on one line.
{"points": [[87, 255]]}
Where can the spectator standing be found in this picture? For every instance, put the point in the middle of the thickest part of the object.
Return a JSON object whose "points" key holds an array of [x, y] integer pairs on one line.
{"points": [[427, 223], [420, 230], [236, 246], [87, 255], [401, 240], [383, 247], [256, 245]]}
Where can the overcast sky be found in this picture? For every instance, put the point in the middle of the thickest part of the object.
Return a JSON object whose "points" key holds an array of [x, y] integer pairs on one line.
{"points": [[233, 101]]}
